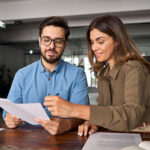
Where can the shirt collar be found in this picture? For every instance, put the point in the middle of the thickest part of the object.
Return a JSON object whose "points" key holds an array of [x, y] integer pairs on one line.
{"points": [[113, 72], [59, 66], [41, 67], [57, 69]]}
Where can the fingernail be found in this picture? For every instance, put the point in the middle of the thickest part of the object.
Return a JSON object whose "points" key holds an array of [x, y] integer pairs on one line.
{"points": [[85, 134], [79, 134]]}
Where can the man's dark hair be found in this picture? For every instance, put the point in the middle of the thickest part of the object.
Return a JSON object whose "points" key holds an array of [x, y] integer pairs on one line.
{"points": [[55, 21]]}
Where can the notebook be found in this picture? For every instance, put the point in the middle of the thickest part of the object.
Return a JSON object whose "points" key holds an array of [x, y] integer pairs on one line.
{"points": [[111, 141], [145, 145]]}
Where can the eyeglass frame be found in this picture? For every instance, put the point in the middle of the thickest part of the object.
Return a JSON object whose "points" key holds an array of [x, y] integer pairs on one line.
{"points": [[53, 40]]}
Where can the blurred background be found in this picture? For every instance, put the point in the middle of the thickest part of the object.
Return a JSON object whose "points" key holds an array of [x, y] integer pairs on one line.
{"points": [[20, 20]]}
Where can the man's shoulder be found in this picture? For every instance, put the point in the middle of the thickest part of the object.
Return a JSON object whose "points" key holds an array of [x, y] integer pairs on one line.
{"points": [[72, 71], [28, 68], [72, 66]]}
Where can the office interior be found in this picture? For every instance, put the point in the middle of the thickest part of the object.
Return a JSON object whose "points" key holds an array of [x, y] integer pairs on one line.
{"points": [[19, 33]]}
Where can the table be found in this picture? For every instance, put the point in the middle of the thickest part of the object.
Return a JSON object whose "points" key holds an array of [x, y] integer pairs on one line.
{"points": [[30, 138]]}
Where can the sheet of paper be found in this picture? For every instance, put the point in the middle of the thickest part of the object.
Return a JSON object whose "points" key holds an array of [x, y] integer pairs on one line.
{"points": [[132, 148], [27, 112], [111, 141], [1, 129]]}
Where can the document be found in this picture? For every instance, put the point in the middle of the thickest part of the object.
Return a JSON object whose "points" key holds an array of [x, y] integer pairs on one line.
{"points": [[111, 141], [26, 112], [1, 129]]}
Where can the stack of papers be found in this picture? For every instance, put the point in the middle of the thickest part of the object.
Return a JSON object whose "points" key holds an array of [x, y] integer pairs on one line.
{"points": [[26, 112], [111, 141]]}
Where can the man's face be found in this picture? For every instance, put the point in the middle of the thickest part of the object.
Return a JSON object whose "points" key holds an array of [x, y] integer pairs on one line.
{"points": [[52, 43]]}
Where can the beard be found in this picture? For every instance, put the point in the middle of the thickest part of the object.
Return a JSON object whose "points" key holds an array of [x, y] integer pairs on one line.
{"points": [[52, 59]]}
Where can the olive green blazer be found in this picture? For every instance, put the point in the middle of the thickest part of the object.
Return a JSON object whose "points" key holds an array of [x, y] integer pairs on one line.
{"points": [[124, 97]]}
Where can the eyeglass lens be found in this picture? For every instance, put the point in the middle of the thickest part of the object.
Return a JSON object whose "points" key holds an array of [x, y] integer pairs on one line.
{"points": [[58, 42]]}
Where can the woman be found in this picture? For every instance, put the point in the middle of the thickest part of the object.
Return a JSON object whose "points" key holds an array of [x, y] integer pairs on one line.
{"points": [[123, 81]]}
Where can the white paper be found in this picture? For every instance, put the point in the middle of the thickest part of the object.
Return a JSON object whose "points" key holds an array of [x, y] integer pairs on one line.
{"points": [[1, 129], [145, 145], [111, 141], [26, 112], [132, 148]]}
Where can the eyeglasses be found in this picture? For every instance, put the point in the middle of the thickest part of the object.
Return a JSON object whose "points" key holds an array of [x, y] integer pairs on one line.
{"points": [[58, 42]]}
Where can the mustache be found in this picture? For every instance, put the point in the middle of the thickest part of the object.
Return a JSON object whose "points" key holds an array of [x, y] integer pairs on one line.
{"points": [[52, 50]]}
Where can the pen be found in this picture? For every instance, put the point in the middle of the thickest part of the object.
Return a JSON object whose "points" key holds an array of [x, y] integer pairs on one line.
{"points": [[57, 94]]}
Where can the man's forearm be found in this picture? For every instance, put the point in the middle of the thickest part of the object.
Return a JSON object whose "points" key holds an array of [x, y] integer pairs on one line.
{"points": [[73, 122], [68, 124]]}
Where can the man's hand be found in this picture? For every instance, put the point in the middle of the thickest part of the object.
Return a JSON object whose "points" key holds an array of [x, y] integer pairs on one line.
{"points": [[58, 106], [86, 128], [55, 125], [12, 121]]}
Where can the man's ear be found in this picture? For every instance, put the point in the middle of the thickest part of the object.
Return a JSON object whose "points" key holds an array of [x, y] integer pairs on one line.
{"points": [[66, 44], [39, 41]]}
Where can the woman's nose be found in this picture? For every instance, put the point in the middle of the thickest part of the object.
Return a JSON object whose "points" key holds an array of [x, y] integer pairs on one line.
{"points": [[95, 46]]}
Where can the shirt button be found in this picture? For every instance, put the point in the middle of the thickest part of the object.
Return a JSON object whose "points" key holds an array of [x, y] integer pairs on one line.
{"points": [[49, 94]]}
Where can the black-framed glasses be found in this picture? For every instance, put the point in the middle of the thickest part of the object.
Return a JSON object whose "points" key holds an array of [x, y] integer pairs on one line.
{"points": [[58, 42]]}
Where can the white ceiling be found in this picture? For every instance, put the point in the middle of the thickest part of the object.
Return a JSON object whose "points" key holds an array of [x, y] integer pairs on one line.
{"points": [[23, 17], [78, 12]]}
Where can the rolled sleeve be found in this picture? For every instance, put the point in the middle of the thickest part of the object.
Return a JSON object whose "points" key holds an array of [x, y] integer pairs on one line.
{"points": [[99, 115]]}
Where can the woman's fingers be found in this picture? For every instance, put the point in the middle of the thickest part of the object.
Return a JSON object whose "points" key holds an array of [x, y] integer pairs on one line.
{"points": [[80, 130], [83, 129], [94, 128], [86, 128]]}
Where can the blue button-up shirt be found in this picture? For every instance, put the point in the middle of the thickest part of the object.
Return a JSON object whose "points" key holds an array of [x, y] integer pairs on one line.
{"points": [[32, 83]]}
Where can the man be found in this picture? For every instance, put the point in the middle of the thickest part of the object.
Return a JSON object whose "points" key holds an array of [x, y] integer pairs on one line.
{"points": [[49, 76]]}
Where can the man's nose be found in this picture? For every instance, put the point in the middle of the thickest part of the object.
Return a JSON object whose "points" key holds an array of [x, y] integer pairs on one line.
{"points": [[51, 45]]}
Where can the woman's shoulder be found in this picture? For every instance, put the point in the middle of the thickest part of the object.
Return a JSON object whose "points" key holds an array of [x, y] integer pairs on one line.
{"points": [[131, 64], [134, 65]]}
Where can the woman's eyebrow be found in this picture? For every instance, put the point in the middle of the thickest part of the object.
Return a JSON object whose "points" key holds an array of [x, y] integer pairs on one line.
{"points": [[100, 37]]}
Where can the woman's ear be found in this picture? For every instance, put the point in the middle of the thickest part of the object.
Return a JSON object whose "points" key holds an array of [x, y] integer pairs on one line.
{"points": [[116, 43]]}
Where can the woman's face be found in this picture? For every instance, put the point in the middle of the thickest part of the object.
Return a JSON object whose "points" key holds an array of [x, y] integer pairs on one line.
{"points": [[103, 46]]}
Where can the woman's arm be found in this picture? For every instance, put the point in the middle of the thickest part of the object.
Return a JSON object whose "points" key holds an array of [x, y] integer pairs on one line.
{"points": [[62, 108]]}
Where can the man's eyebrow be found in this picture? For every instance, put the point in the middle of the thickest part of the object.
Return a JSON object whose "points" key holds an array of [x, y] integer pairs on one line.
{"points": [[46, 36], [55, 38], [59, 38]]}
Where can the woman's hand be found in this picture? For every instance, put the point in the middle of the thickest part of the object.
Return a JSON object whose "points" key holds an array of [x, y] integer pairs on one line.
{"points": [[86, 128], [63, 108], [58, 106]]}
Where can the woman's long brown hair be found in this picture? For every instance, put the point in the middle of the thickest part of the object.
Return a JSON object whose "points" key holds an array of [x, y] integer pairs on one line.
{"points": [[126, 48]]}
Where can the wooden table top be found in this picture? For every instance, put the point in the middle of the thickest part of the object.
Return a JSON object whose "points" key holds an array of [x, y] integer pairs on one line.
{"points": [[30, 138]]}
